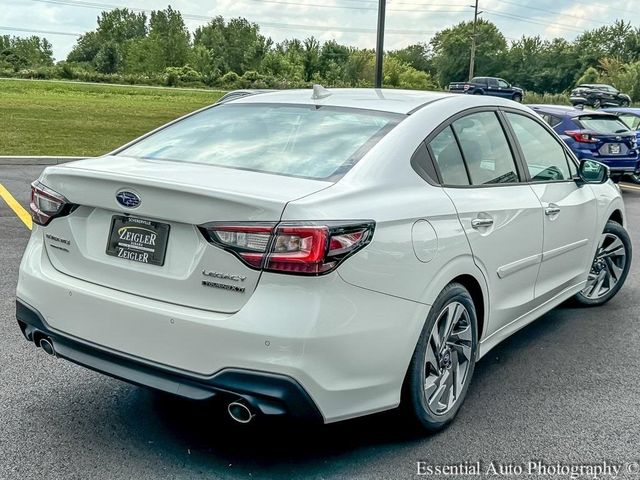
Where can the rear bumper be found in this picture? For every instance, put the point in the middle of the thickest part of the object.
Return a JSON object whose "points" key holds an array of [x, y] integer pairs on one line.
{"points": [[347, 347], [267, 393]]}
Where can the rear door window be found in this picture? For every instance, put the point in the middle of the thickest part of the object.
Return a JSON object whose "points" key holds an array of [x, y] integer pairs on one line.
{"points": [[445, 151], [485, 149], [545, 157], [551, 120]]}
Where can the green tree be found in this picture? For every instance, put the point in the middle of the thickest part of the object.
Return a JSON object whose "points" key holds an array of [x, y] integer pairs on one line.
{"points": [[235, 46], [120, 25], [108, 58], [30, 52], [168, 42], [452, 47], [417, 55], [590, 75]]}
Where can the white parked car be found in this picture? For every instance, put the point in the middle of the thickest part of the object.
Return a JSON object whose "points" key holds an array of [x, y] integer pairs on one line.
{"points": [[320, 256]]}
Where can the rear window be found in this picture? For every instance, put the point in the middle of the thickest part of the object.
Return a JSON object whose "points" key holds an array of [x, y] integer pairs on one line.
{"points": [[296, 140], [602, 124]]}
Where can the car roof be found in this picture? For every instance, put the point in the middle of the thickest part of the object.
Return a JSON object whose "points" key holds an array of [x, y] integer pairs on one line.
{"points": [[633, 111], [386, 100], [566, 111]]}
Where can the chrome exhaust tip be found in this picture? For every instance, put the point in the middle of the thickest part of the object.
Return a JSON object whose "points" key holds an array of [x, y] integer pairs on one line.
{"points": [[240, 412], [47, 346]]}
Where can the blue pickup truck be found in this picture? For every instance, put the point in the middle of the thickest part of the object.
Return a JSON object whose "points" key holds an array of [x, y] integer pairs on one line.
{"points": [[496, 87]]}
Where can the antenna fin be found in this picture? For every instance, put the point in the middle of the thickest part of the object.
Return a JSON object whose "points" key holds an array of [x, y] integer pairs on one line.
{"points": [[320, 92]]}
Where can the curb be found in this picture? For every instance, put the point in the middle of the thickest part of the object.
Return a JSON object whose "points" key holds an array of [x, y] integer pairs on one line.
{"points": [[37, 160]]}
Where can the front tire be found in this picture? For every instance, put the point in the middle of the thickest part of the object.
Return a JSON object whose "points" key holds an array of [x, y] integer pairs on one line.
{"points": [[597, 103], [517, 98], [609, 268], [443, 362]]}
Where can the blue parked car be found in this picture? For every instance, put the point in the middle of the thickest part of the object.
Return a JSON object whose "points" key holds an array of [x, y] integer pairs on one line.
{"points": [[599, 135]]}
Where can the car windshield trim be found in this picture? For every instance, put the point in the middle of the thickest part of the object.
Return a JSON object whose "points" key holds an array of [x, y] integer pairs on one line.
{"points": [[366, 136]]}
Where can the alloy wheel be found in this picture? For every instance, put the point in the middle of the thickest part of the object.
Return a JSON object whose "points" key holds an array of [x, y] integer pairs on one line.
{"points": [[607, 268], [448, 357]]}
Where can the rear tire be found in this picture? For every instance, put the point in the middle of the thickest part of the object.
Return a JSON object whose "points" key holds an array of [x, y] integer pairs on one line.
{"points": [[624, 103], [634, 178], [597, 103], [443, 362], [610, 267]]}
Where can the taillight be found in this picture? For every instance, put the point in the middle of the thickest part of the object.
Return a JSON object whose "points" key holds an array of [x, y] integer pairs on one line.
{"points": [[47, 204], [303, 248], [581, 137]]}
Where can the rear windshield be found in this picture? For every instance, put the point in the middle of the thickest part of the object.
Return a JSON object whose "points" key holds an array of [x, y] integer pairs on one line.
{"points": [[296, 140], [602, 124]]}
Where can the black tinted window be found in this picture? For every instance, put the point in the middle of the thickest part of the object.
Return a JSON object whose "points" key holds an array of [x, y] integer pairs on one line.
{"points": [[602, 123], [545, 157], [485, 149], [447, 155]]}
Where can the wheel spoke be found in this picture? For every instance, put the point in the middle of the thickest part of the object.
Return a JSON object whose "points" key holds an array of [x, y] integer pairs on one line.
{"points": [[435, 337], [614, 248], [450, 320], [614, 270], [597, 288], [430, 385], [432, 359], [435, 400]]}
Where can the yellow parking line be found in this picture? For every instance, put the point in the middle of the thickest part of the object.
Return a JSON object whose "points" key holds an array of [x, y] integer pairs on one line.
{"points": [[14, 205], [631, 187]]}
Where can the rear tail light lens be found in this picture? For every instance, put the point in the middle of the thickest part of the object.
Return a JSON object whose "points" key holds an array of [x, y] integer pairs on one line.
{"points": [[297, 248], [47, 204], [581, 137]]}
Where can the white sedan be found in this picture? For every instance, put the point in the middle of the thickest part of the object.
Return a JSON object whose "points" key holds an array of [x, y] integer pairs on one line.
{"points": [[318, 254]]}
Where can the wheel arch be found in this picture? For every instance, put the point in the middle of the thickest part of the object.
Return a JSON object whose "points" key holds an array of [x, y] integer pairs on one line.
{"points": [[463, 270], [477, 295], [617, 216]]}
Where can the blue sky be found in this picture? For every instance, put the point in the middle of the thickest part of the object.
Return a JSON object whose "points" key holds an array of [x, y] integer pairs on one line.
{"points": [[350, 22]]}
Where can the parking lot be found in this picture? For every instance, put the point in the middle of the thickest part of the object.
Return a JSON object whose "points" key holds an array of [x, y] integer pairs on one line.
{"points": [[565, 389]]}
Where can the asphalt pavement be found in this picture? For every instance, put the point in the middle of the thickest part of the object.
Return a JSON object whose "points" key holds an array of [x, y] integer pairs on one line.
{"points": [[563, 390]]}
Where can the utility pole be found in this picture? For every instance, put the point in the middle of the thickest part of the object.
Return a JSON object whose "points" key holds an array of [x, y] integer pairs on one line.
{"points": [[472, 62], [380, 43]]}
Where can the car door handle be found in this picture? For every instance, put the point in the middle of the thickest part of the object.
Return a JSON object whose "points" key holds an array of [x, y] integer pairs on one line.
{"points": [[552, 210], [481, 222]]}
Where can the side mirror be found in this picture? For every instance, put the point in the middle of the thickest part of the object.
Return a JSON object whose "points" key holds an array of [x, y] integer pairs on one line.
{"points": [[591, 171]]}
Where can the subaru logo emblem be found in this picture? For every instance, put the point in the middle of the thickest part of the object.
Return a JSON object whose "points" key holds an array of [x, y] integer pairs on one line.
{"points": [[128, 199]]}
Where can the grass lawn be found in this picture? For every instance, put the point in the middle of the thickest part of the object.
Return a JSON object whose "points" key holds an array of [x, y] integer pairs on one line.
{"points": [[48, 118]]}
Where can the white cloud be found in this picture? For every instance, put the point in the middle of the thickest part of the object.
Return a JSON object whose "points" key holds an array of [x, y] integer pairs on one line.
{"points": [[281, 19]]}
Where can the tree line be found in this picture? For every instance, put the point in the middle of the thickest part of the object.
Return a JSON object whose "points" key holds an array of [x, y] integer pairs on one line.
{"points": [[134, 47]]}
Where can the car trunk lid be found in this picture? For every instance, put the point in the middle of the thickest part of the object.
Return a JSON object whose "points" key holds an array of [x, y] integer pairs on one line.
{"points": [[175, 197]]}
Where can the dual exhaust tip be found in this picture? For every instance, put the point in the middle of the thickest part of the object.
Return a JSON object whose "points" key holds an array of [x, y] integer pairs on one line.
{"points": [[238, 410], [47, 345]]}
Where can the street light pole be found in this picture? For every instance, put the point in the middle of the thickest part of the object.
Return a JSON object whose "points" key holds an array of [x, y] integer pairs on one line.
{"points": [[472, 61], [380, 43]]}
